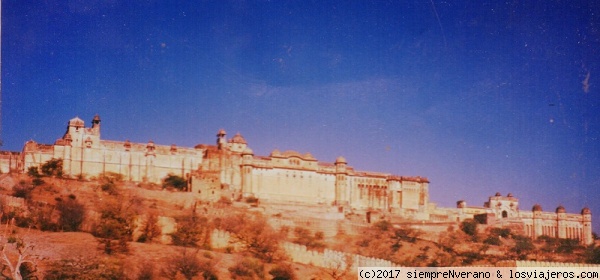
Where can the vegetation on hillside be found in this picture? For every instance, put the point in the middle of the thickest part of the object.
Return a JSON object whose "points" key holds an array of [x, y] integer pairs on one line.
{"points": [[115, 212]]}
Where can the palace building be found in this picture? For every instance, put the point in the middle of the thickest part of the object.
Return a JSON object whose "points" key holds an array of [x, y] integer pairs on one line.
{"points": [[230, 169]]}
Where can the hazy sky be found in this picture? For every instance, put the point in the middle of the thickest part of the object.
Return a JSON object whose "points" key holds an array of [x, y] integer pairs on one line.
{"points": [[478, 97]]}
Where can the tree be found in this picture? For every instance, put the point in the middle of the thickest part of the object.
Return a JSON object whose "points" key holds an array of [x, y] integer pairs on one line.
{"points": [[72, 213], [339, 268], [469, 227], [256, 236], [117, 221], [174, 181], [53, 167], [192, 230], [304, 237], [150, 228], [523, 246], [24, 265]]}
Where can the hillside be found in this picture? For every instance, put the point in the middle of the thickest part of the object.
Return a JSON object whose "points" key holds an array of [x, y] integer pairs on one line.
{"points": [[222, 236]]}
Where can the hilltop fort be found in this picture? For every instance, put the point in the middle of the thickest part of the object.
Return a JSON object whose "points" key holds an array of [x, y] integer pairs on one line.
{"points": [[231, 169]]}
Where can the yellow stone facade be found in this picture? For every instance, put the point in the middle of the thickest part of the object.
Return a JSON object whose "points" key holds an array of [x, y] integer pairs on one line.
{"points": [[85, 155], [504, 211], [230, 169]]}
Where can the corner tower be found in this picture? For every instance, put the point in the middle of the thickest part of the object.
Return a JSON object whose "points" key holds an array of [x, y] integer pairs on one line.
{"points": [[221, 139], [96, 125], [586, 219], [341, 182], [247, 156]]}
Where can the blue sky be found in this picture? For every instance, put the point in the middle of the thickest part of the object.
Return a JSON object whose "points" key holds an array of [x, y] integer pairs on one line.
{"points": [[478, 97]]}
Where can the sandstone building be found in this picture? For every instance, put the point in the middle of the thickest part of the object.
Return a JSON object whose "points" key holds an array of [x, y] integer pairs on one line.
{"points": [[504, 211], [84, 154], [229, 168]]}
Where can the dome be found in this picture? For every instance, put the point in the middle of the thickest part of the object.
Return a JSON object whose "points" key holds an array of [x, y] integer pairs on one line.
{"points": [[560, 209], [309, 156], [586, 211], [275, 153], [238, 138], [221, 132], [150, 144], [247, 151], [509, 195], [498, 194], [96, 118], [340, 159], [77, 122], [536, 207]]}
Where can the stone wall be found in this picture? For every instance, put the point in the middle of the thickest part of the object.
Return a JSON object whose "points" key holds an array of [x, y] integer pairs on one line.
{"points": [[300, 254], [12, 201], [542, 264]]}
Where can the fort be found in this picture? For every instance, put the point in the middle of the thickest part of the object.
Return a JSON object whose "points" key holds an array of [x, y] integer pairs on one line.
{"points": [[230, 169]]}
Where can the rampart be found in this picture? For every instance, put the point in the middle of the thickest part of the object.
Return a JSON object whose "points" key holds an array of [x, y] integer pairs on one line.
{"points": [[301, 254], [516, 263]]}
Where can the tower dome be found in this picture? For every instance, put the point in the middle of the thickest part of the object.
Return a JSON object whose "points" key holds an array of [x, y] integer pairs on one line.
{"points": [[238, 138], [340, 159], [536, 207], [586, 211], [560, 209]]}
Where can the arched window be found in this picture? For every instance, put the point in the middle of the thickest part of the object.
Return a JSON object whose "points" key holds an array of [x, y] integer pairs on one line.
{"points": [[504, 214]]}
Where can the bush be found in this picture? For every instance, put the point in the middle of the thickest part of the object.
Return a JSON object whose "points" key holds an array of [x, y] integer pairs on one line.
{"points": [[248, 269], [304, 237], [150, 229], [255, 234], [189, 266], [33, 172], [469, 227], [282, 271], [23, 190], [110, 188], [493, 240], [592, 255], [523, 246], [111, 177], [84, 269], [174, 181], [117, 221], [53, 167], [192, 230], [72, 214], [502, 232], [108, 182], [37, 182]]}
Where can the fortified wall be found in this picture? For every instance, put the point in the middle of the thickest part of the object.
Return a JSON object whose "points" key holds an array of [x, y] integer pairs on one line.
{"points": [[85, 154], [231, 170]]}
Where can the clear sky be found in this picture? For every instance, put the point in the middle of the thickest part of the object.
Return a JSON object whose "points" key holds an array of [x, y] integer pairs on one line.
{"points": [[480, 98]]}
